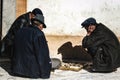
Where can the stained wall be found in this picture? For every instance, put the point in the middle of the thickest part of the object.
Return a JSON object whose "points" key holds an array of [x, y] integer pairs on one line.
{"points": [[64, 17]]}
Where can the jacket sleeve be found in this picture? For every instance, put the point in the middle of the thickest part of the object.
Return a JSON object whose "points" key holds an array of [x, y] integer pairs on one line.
{"points": [[93, 40], [42, 56]]}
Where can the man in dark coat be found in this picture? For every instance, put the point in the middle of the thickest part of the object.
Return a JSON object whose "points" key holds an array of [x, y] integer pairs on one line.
{"points": [[103, 46], [31, 54], [21, 21]]}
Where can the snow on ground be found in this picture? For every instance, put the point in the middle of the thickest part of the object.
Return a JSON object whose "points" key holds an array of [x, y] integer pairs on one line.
{"points": [[68, 75]]}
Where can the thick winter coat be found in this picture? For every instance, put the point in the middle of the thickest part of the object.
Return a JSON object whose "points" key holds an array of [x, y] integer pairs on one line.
{"points": [[31, 55], [7, 41], [107, 55]]}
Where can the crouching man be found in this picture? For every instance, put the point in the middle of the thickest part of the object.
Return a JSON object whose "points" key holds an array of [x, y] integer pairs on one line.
{"points": [[31, 54], [103, 46]]}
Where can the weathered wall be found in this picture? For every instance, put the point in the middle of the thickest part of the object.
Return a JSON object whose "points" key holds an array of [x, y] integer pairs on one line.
{"points": [[64, 17], [8, 15]]}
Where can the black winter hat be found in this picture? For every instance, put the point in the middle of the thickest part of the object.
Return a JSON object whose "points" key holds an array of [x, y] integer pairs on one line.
{"points": [[89, 21], [37, 11], [39, 18]]}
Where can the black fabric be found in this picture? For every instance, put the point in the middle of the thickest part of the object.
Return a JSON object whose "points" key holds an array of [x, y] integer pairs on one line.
{"points": [[7, 41], [31, 55], [37, 11], [108, 57], [39, 18]]}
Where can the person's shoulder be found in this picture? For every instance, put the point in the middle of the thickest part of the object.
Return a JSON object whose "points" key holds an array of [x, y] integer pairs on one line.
{"points": [[24, 15], [101, 26]]}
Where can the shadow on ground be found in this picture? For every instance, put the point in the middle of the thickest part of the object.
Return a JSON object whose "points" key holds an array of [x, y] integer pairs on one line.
{"points": [[75, 54]]}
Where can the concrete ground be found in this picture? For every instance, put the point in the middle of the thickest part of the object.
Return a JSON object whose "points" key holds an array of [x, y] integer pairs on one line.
{"points": [[54, 43]]}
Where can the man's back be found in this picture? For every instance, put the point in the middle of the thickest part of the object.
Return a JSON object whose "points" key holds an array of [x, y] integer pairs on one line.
{"points": [[31, 54], [7, 41]]}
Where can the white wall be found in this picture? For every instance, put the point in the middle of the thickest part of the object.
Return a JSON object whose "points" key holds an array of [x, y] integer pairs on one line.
{"points": [[64, 17], [8, 15]]}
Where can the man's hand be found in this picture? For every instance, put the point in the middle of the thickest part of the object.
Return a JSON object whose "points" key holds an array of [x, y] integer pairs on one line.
{"points": [[88, 33], [90, 29]]}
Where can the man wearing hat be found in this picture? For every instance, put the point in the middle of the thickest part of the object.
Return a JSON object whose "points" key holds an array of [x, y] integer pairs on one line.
{"points": [[21, 21], [31, 54], [103, 45]]}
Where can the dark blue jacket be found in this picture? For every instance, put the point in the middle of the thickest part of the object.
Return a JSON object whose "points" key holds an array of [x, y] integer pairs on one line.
{"points": [[7, 41], [31, 53]]}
